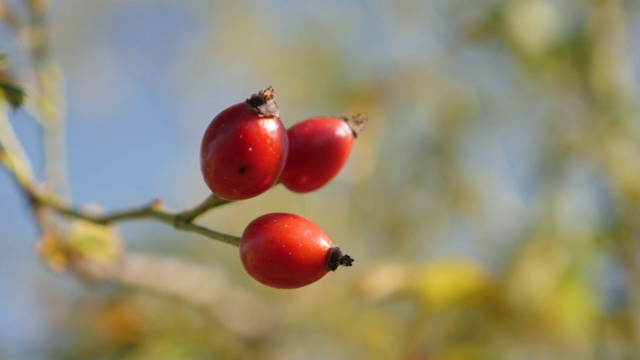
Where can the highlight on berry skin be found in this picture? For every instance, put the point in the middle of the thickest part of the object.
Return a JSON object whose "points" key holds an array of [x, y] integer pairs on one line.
{"points": [[244, 148], [319, 147], [245, 151], [287, 251]]}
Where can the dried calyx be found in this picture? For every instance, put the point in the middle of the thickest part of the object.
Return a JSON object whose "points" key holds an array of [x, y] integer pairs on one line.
{"points": [[337, 258], [357, 123], [263, 103]]}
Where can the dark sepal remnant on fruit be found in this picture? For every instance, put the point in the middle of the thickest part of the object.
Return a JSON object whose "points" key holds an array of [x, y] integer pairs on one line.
{"points": [[357, 123], [263, 103], [337, 258]]}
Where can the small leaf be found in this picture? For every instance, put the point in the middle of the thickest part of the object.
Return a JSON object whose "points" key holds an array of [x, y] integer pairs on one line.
{"points": [[93, 242], [449, 282], [13, 93]]}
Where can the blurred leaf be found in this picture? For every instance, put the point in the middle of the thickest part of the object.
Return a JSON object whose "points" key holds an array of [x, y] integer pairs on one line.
{"points": [[120, 322], [93, 242], [573, 311], [523, 15], [52, 250], [448, 283], [444, 283], [84, 245], [12, 93], [535, 275]]}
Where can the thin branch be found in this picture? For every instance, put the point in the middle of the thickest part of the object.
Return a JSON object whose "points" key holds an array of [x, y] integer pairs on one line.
{"points": [[16, 162], [152, 211], [209, 203], [12, 154], [49, 105], [18, 166]]}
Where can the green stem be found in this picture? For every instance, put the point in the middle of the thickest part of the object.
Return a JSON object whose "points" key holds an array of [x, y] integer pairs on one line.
{"points": [[209, 203], [152, 211], [17, 164]]}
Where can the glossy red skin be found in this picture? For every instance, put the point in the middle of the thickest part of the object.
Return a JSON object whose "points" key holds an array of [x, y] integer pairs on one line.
{"points": [[242, 154], [284, 251], [318, 149]]}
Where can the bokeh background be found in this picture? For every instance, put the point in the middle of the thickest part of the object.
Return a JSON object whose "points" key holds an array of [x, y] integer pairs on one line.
{"points": [[492, 204]]}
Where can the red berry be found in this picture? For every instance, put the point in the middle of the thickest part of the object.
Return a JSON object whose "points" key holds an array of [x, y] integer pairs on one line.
{"points": [[318, 148], [288, 251], [244, 149]]}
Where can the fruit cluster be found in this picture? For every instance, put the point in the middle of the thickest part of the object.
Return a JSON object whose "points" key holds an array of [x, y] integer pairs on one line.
{"points": [[245, 151]]}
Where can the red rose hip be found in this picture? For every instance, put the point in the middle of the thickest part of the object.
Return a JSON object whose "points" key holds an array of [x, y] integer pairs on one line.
{"points": [[244, 148], [318, 149], [287, 251]]}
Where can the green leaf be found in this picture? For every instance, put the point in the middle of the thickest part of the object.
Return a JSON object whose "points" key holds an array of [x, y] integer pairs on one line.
{"points": [[13, 93]]}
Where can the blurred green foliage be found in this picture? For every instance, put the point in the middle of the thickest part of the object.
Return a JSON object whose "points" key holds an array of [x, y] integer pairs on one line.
{"points": [[492, 205]]}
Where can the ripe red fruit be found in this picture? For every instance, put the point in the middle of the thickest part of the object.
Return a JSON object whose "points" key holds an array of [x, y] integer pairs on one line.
{"points": [[318, 148], [287, 251], [244, 149]]}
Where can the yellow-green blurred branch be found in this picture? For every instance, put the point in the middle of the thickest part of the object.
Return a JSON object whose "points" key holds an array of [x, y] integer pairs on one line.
{"points": [[12, 155], [49, 100]]}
